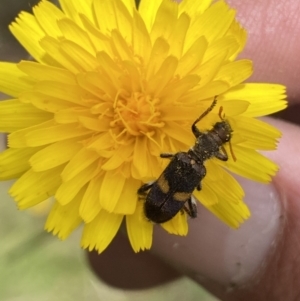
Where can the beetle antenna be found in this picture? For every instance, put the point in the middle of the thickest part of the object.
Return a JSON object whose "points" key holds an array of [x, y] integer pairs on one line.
{"points": [[231, 151], [206, 112], [220, 113]]}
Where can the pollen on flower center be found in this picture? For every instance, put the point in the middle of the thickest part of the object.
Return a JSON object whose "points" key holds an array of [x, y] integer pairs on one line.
{"points": [[137, 113]]}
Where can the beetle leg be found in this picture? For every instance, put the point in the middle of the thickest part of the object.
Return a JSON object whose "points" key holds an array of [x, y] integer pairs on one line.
{"points": [[222, 156], [142, 191], [167, 155], [191, 209]]}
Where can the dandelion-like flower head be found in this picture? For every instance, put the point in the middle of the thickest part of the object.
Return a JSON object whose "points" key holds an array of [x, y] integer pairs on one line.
{"points": [[112, 87]]}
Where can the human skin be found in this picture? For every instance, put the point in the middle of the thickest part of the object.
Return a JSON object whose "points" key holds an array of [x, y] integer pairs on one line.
{"points": [[260, 261]]}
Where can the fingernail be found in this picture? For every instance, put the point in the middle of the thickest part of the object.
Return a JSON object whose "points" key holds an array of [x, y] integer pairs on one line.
{"points": [[214, 252]]}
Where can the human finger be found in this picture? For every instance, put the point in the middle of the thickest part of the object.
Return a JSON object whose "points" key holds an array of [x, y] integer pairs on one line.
{"points": [[273, 28]]}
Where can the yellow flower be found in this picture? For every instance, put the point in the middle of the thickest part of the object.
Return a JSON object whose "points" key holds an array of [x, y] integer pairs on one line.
{"points": [[112, 88]]}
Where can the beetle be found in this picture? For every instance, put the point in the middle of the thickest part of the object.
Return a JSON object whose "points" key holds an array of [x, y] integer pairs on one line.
{"points": [[172, 191]]}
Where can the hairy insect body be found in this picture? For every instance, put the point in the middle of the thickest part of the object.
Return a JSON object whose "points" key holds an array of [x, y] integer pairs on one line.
{"points": [[174, 188], [208, 144], [172, 191]]}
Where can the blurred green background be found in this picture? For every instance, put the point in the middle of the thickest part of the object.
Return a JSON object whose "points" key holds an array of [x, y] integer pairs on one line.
{"points": [[34, 265]]}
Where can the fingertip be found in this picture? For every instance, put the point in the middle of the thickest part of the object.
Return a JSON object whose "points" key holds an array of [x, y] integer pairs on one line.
{"points": [[287, 157], [215, 253], [272, 26]]}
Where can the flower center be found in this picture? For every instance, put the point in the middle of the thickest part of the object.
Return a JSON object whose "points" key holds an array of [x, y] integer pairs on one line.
{"points": [[137, 114]]}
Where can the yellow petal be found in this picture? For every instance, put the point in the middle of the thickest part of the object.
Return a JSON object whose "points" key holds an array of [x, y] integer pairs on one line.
{"points": [[210, 68], [257, 134], [125, 12], [90, 204], [121, 47], [128, 200], [236, 72], [14, 162], [95, 124], [100, 41], [96, 84], [165, 20], [209, 91], [34, 187], [44, 102], [252, 165], [29, 33], [227, 45], [206, 196], [100, 232], [15, 115], [76, 53], [76, 34], [130, 5], [233, 108], [176, 90], [264, 99], [139, 230], [102, 142], [53, 49], [141, 162], [162, 76], [193, 56], [176, 131], [122, 154], [111, 189], [53, 134], [232, 214], [70, 93], [63, 220], [212, 24], [49, 73], [140, 39], [194, 8], [73, 9], [158, 55], [132, 80], [47, 15], [105, 21], [107, 63], [12, 80], [224, 185], [17, 138], [181, 112], [79, 162], [54, 155], [67, 191], [177, 225], [148, 10], [177, 37], [71, 115]]}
